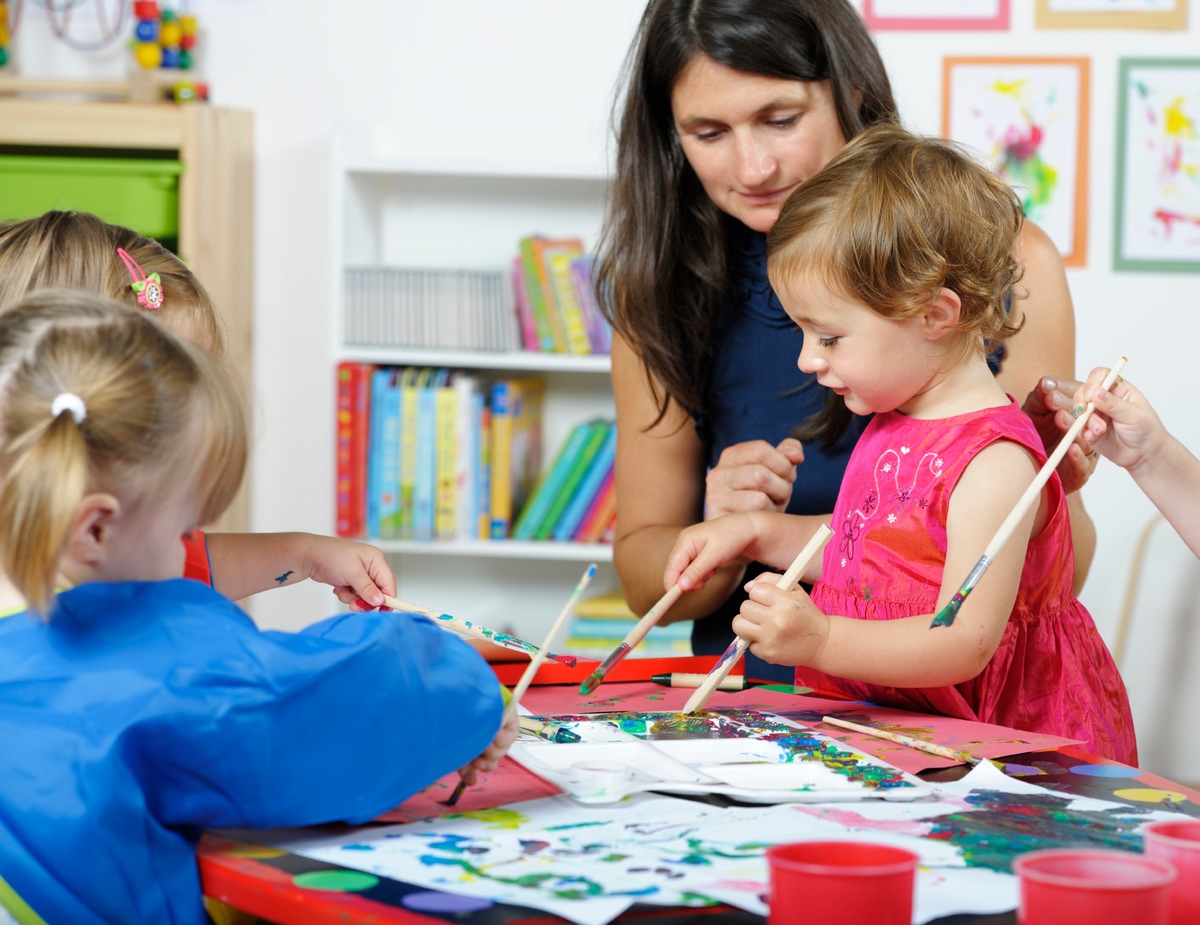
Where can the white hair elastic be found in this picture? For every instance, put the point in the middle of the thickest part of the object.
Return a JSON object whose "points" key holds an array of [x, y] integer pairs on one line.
{"points": [[69, 401]]}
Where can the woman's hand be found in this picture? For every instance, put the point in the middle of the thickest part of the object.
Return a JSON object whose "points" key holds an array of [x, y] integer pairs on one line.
{"points": [[752, 476], [704, 548]]}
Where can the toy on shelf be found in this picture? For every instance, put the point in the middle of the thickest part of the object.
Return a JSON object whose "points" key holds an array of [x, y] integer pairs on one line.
{"points": [[4, 33], [163, 38]]}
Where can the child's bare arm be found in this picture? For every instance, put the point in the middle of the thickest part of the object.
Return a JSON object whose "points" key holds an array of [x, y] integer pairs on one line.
{"points": [[246, 563], [1126, 430], [787, 628], [755, 536]]}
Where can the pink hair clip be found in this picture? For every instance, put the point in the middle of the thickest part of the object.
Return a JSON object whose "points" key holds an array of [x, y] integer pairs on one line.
{"points": [[148, 288]]}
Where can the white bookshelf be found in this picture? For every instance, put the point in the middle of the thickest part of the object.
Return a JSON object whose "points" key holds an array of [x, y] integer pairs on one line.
{"points": [[395, 203]]}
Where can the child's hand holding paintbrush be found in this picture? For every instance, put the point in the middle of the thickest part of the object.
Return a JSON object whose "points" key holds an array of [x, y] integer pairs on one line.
{"points": [[490, 759]]}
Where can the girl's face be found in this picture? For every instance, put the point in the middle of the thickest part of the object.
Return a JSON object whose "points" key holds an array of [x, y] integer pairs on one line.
{"points": [[752, 139], [876, 364]]}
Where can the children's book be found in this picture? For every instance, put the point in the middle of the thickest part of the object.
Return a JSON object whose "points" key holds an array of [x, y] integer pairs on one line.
{"points": [[383, 473], [410, 378], [445, 510], [550, 484], [483, 471], [589, 487], [598, 430], [558, 259], [601, 513], [425, 487], [516, 447], [353, 428], [525, 320], [540, 299], [468, 407], [599, 331]]}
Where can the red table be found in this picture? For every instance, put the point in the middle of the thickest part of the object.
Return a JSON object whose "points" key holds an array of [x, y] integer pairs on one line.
{"points": [[294, 890]]}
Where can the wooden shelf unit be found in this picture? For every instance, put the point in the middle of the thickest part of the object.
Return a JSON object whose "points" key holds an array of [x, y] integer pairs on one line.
{"points": [[216, 196]]}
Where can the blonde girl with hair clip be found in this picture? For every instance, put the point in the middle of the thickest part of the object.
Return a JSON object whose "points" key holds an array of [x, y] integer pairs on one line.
{"points": [[77, 250], [894, 261], [140, 709]]}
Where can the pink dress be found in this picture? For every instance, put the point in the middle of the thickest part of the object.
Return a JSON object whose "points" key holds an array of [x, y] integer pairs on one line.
{"points": [[1051, 673]]}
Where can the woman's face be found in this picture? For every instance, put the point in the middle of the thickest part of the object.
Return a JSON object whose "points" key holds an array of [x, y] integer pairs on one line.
{"points": [[753, 139]]}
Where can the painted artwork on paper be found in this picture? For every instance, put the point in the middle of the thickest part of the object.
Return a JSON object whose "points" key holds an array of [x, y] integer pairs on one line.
{"points": [[1158, 165], [936, 14], [1027, 117], [984, 740], [591, 863], [1111, 14], [753, 756]]}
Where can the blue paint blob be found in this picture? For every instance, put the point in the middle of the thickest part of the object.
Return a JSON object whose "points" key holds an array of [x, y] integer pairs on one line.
{"points": [[1104, 770], [431, 901]]}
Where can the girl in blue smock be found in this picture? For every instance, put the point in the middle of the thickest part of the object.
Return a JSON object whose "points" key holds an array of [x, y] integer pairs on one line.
{"points": [[138, 708]]}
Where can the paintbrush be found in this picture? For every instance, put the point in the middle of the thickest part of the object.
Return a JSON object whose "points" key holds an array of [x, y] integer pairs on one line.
{"points": [[531, 669], [632, 638], [730, 656], [945, 616], [931, 748], [1009, 767], [467, 628], [551, 732]]}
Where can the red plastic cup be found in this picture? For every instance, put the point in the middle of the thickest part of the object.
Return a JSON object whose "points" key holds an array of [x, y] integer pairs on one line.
{"points": [[1178, 842], [848, 882], [1084, 886]]}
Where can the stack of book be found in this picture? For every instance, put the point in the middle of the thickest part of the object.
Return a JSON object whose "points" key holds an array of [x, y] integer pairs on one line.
{"points": [[600, 623], [432, 453], [555, 299], [446, 309], [574, 500]]}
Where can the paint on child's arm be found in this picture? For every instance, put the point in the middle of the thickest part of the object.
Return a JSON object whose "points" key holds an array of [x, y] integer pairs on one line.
{"points": [[280, 579]]}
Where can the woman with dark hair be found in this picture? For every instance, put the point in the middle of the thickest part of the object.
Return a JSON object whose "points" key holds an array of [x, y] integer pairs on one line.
{"points": [[730, 105]]}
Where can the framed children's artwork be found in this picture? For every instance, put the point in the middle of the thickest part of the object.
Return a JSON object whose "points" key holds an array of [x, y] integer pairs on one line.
{"points": [[1157, 225], [1111, 14], [1028, 118], [936, 14]]}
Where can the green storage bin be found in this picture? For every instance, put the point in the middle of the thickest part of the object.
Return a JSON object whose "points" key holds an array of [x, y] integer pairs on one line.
{"points": [[142, 194]]}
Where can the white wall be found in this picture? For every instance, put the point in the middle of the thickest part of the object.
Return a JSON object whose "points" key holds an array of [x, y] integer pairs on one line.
{"points": [[525, 74]]}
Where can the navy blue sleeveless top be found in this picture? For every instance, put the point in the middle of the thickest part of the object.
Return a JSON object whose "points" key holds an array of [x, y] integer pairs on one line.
{"points": [[755, 391]]}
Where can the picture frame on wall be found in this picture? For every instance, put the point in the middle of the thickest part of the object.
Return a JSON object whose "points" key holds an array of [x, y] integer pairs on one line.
{"points": [[1157, 221], [1027, 117], [1111, 14], [936, 14]]}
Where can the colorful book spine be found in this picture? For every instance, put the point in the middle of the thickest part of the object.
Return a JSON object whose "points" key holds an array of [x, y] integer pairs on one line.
{"points": [[543, 249], [599, 331], [353, 423], [409, 401], [538, 305], [445, 511], [589, 485], [550, 484], [574, 326], [516, 448], [384, 486], [598, 430], [425, 487], [468, 405], [483, 475], [600, 515], [525, 320]]}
